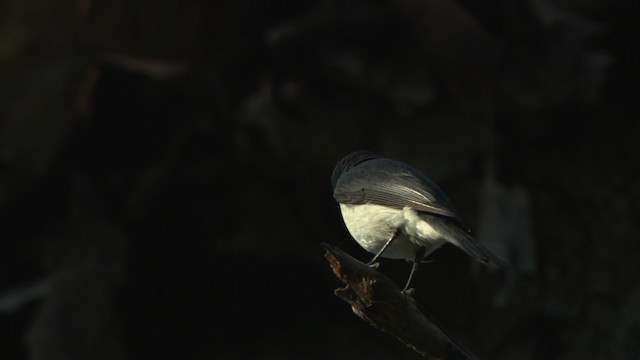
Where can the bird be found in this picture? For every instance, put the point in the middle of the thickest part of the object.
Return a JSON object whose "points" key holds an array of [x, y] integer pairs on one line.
{"points": [[394, 211]]}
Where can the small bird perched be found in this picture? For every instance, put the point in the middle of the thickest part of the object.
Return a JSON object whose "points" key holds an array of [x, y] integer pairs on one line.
{"points": [[394, 211]]}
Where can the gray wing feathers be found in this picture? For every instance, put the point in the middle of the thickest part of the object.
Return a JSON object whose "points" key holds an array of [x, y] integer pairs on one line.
{"points": [[398, 185]]}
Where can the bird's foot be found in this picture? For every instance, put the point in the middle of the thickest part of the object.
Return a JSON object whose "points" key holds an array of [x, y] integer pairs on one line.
{"points": [[410, 292], [373, 264]]}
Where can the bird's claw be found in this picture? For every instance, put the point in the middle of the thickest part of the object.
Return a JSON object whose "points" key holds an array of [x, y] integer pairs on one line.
{"points": [[409, 292]]}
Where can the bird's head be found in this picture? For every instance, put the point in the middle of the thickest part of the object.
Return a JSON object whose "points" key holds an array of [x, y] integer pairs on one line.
{"points": [[348, 162]]}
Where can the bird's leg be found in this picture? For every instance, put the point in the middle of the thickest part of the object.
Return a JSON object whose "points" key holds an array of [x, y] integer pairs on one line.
{"points": [[373, 263], [414, 269]]}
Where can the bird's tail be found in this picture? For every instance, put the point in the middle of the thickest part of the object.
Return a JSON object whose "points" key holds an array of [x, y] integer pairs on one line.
{"points": [[462, 239], [455, 233]]}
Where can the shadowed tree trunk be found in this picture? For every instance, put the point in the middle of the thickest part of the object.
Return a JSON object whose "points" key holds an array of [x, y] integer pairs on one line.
{"points": [[377, 300]]}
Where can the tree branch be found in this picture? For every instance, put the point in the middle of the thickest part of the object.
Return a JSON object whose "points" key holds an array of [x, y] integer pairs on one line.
{"points": [[377, 300]]}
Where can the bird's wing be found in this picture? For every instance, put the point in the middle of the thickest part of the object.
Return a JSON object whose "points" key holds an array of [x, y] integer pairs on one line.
{"points": [[392, 183]]}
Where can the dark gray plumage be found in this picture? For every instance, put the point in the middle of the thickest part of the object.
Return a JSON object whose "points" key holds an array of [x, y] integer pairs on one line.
{"points": [[393, 210]]}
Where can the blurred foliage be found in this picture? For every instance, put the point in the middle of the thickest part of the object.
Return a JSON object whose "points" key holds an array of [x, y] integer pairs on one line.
{"points": [[164, 172]]}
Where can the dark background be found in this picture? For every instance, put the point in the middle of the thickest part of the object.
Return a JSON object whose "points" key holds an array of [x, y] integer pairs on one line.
{"points": [[165, 167]]}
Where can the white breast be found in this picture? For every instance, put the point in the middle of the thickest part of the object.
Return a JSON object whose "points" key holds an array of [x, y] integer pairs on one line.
{"points": [[373, 225]]}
